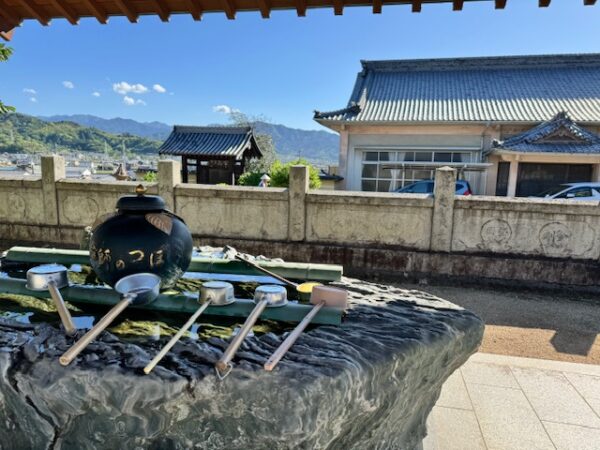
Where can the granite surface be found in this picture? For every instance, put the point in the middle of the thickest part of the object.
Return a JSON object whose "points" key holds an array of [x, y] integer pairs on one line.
{"points": [[369, 384]]}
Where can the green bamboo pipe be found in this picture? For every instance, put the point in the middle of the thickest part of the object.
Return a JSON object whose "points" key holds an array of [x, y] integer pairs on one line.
{"points": [[295, 271], [179, 303]]}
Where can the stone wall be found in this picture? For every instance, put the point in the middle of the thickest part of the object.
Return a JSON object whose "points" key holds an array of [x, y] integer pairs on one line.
{"points": [[403, 233]]}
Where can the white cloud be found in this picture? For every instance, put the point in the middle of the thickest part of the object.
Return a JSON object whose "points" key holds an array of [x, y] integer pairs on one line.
{"points": [[225, 109], [125, 88], [68, 84], [129, 101], [96, 94], [158, 88], [33, 99], [29, 91]]}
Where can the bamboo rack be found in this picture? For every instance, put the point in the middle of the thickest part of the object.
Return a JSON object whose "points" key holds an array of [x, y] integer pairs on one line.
{"points": [[296, 271], [179, 303]]}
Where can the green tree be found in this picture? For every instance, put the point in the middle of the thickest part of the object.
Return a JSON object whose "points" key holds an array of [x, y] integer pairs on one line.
{"points": [[150, 177], [250, 178], [264, 141], [280, 175], [5, 53]]}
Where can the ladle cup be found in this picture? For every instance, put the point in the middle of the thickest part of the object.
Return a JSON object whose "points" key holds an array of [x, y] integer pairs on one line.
{"points": [[265, 296], [136, 289], [52, 277], [321, 296], [216, 293]]}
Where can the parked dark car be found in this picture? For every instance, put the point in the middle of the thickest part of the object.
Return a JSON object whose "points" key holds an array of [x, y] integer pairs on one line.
{"points": [[426, 187]]}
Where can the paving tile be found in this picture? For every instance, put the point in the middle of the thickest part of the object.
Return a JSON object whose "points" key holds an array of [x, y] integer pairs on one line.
{"points": [[589, 388], [454, 393], [519, 361], [490, 374], [554, 398], [452, 429], [506, 418], [573, 437]]}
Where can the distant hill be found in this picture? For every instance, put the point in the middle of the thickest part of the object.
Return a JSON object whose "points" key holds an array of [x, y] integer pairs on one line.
{"points": [[20, 133], [316, 146], [151, 130]]}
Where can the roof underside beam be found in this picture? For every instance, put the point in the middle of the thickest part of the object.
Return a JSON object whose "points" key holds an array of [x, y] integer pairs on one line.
{"points": [[13, 13], [97, 12], [162, 10], [457, 5], [34, 10], [8, 20], [7, 35], [127, 10], [338, 7], [229, 8], [195, 9], [265, 8], [301, 8], [66, 11]]}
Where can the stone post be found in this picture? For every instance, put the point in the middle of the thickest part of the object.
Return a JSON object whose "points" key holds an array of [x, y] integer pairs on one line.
{"points": [[53, 169], [512, 178], [169, 176], [443, 209], [343, 160], [297, 203]]}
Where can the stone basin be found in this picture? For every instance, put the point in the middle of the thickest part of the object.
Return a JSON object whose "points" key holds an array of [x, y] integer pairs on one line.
{"points": [[368, 384]]}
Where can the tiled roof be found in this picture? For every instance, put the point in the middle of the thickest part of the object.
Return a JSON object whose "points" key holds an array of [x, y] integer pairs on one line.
{"points": [[559, 135], [215, 141], [492, 89]]}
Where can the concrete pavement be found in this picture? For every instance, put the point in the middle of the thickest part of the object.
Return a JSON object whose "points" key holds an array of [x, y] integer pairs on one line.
{"points": [[510, 403]]}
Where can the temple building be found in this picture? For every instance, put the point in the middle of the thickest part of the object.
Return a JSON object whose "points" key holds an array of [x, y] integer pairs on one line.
{"points": [[212, 154], [513, 125]]}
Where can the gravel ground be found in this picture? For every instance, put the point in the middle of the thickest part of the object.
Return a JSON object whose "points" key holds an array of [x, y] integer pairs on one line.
{"points": [[534, 324]]}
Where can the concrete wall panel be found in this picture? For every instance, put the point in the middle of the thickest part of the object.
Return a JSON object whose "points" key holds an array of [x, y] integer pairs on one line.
{"points": [[388, 219], [239, 212]]}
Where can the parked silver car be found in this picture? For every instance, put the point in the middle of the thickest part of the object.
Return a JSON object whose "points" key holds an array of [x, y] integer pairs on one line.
{"points": [[573, 191]]}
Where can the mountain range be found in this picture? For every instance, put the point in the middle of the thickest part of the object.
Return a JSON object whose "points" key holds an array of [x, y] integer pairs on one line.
{"points": [[313, 145], [20, 133]]}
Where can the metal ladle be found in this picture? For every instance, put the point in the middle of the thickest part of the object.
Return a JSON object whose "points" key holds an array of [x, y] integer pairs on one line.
{"points": [[216, 293], [321, 296], [268, 295], [136, 289], [52, 277]]}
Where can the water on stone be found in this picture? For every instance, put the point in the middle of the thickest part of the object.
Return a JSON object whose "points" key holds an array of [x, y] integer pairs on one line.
{"points": [[133, 324]]}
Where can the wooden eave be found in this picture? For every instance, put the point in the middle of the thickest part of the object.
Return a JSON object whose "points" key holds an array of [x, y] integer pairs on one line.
{"points": [[14, 12]]}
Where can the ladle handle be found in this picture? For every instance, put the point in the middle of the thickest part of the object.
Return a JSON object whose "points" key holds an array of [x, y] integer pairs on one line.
{"points": [[175, 338], [291, 339], [267, 272], [88, 337], [63, 312], [222, 364]]}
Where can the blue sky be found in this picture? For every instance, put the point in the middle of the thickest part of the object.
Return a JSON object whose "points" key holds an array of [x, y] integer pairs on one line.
{"points": [[283, 67]]}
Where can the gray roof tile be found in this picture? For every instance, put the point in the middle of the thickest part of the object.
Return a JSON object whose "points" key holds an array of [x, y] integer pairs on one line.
{"points": [[559, 135], [491, 89], [210, 141]]}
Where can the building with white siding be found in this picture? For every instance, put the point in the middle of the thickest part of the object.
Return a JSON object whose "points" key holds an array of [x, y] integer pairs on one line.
{"points": [[407, 117]]}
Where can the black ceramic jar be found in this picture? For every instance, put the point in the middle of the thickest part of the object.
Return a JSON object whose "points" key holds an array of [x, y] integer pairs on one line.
{"points": [[142, 236]]}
